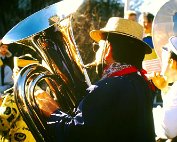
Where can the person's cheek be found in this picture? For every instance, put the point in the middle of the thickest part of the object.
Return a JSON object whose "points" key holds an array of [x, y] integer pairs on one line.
{"points": [[164, 62], [164, 68], [168, 73]]}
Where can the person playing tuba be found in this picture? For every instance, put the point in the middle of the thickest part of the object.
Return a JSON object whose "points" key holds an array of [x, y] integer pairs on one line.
{"points": [[117, 107]]}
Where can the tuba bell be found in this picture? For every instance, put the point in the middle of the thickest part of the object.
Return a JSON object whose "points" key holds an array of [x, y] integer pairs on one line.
{"points": [[164, 25], [49, 33]]}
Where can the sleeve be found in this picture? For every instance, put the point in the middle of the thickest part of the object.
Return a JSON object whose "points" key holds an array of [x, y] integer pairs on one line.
{"points": [[170, 111], [8, 80], [169, 122], [65, 127], [158, 118]]}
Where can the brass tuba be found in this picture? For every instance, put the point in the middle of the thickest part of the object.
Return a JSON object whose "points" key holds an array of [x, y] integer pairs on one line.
{"points": [[49, 33], [164, 25]]}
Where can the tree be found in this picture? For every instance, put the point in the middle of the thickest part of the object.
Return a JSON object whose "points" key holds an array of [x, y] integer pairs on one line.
{"points": [[93, 14]]}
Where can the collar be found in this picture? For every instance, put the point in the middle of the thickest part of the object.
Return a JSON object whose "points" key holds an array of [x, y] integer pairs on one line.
{"points": [[148, 34], [8, 54], [118, 69]]}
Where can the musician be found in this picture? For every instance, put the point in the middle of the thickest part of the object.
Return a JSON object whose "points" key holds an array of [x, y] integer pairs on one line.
{"points": [[166, 118], [6, 55], [119, 106], [6, 80]]}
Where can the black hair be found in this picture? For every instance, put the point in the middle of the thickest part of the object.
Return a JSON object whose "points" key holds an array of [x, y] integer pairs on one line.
{"points": [[127, 49], [173, 55], [149, 16]]}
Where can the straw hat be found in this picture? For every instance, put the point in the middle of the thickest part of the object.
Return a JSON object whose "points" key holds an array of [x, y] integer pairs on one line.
{"points": [[122, 27]]}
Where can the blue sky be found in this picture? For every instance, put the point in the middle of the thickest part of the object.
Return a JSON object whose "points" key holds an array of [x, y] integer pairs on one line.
{"points": [[146, 5]]}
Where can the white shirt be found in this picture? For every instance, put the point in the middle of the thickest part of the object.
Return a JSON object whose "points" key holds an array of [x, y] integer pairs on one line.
{"points": [[8, 80], [165, 118]]}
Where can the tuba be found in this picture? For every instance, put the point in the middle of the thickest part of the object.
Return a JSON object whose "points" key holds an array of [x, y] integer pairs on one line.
{"points": [[49, 33], [164, 25]]}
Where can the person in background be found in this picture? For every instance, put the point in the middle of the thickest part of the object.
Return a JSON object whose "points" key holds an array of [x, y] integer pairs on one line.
{"points": [[6, 80], [119, 106], [131, 15], [12, 126], [146, 20], [166, 117], [151, 63], [6, 55]]}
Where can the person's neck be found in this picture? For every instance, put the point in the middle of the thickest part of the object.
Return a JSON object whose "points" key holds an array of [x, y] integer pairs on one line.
{"points": [[148, 31], [117, 69], [110, 61], [2, 56]]}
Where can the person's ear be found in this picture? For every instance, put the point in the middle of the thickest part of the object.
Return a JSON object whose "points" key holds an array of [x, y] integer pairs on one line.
{"points": [[173, 64]]}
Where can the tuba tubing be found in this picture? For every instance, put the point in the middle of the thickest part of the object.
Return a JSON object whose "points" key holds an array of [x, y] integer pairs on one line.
{"points": [[63, 74]]}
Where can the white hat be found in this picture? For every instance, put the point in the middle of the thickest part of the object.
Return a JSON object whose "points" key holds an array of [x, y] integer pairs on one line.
{"points": [[173, 44]]}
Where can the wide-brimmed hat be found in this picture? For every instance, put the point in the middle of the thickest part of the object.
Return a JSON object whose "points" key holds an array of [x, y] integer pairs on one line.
{"points": [[123, 27]]}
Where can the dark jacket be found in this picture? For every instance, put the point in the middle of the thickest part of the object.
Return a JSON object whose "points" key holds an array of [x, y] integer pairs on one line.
{"points": [[8, 61], [116, 109]]}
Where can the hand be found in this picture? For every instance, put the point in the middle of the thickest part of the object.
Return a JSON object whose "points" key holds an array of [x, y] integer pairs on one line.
{"points": [[46, 103], [159, 81]]}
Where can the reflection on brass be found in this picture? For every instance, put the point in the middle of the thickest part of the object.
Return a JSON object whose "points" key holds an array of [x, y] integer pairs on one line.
{"points": [[63, 75], [57, 48], [64, 78], [164, 25], [54, 19], [65, 28], [49, 33]]}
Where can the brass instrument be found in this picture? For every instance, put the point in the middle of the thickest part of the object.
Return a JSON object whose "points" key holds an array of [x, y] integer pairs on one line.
{"points": [[49, 33], [164, 25]]}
